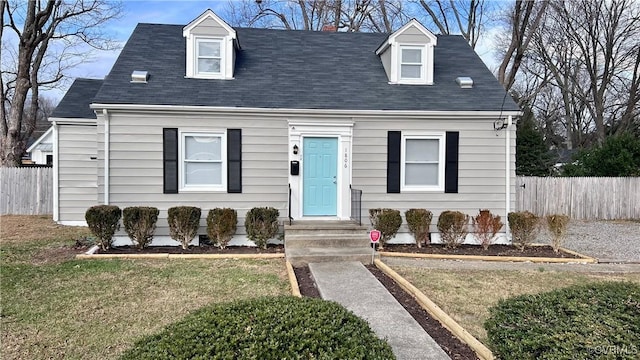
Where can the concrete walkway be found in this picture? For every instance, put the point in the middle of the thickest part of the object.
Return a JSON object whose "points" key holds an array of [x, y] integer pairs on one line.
{"points": [[355, 288]]}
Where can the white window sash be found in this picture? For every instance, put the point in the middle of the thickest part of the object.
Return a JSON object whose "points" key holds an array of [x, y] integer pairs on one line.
{"points": [[439, 187], [184, 187], [421, 63], [198, 56]]}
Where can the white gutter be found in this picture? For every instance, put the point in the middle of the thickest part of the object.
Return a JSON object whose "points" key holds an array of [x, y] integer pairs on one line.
{"points": [[311, 112], [106, 156], [507, 147], [56, 169]]}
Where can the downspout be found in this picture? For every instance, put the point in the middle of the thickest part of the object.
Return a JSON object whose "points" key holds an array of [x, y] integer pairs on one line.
{"points": [[507, 147], [56, 169], [106, 156]]}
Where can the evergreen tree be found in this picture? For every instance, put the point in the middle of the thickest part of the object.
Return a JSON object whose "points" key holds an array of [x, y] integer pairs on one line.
{"points": [[532, 155], [618, 156]]}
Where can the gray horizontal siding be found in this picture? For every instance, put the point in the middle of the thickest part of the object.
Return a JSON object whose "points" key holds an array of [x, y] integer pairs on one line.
{"points": [[481, 166], [77, 172], [136, 163], [209, 27], [136, 167]]}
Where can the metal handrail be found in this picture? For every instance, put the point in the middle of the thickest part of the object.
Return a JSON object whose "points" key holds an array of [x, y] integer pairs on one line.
{"points": [[290, 218], [356, 205]]}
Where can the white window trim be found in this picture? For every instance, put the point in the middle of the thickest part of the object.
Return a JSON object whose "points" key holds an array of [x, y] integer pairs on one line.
{"points": [[441, 159], [223, 155], [197, 56], [423, 64]]}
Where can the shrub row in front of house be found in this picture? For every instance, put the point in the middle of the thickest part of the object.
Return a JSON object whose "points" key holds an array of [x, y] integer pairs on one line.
{"points": [[139, 222], [454, 226]]}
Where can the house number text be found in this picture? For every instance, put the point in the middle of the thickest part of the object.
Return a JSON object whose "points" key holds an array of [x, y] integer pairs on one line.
{"points": [[346, 158]]}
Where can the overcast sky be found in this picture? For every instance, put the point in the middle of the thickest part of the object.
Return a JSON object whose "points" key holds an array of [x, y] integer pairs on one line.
{"points": [[171, 12]]}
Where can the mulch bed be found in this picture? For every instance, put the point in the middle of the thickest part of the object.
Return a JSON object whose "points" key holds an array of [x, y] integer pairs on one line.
{"points": [[203, 249], [466, 249], [456, 349]]}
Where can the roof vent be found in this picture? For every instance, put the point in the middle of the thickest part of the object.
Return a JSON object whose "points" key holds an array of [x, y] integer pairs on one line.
{"points": [[138, 76], [465, 82]]}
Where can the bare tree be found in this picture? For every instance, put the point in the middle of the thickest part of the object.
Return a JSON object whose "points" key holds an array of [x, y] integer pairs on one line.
{"points": [[42, 39], [524, 20], [584, 57], [316, 15], [465, 17]]}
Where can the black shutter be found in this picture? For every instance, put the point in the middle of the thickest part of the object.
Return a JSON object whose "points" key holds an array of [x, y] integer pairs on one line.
{"points": [[451, 162], [170, 160], [393, 161], [234, 160]]}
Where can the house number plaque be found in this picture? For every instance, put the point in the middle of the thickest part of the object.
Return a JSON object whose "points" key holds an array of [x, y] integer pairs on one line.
{"points": [[346, 158]]}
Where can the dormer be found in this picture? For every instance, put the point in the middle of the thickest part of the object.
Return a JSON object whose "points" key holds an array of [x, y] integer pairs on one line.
{"points": [[211, 46], [407, 55]]}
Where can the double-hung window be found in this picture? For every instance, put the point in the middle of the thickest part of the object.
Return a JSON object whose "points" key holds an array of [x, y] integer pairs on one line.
{"points": [[203, 158], [423, 163], [209, 57], [412, 64]]}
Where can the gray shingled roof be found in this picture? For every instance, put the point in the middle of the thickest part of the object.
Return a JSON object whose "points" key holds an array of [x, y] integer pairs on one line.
{"points": [[75, 103], [298, 70]]}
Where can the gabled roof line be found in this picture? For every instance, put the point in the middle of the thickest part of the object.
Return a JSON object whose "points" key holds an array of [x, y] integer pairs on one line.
{"points": [[412, 22], [208, 14], [42, 137]]}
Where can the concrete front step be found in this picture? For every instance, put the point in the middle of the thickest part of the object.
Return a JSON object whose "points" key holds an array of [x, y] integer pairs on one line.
{"points": [[325, 240], [325, 229], [304, 256]]}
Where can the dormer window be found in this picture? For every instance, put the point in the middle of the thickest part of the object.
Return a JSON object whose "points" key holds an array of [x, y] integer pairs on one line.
{"points": [[412, 63], [210, 45], [407, 55], [209, 56]]}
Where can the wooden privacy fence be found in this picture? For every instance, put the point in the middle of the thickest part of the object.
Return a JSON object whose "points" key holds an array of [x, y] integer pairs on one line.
{"points": [[26, 191], [582, 198]]}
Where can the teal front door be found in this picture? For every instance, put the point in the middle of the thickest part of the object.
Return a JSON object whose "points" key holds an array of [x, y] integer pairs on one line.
{"points": [[320, 171]]}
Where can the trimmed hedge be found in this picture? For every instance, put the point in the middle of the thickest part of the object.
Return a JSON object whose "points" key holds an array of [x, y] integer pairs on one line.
{"points": [[387, 221], [222, 225], [184, 222], [453, 228], [103, 221], [261, 225], [525, 227], [486, 226], [140, 224], [265, 328], [598, 320], [418, 221]]}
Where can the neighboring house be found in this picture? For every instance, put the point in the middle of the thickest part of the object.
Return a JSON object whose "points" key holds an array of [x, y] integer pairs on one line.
{"points": [[41, 151], [213, 116]]}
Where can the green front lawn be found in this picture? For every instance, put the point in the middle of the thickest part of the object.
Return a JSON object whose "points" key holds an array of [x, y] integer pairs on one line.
{"points": [[52, 306]]}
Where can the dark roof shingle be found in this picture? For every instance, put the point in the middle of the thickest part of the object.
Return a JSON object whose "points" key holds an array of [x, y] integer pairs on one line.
{"points": [[298, 70], [75, 103]]}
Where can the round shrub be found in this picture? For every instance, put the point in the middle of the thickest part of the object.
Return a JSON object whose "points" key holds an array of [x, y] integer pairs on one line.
{"points": [[222, 225], [265, 328], [140, 224], [486, 226], [184, 222], [557, 225], [524, 226], [452, 226], [387, 221], [598, 320], [261, 225], [419, 221], [103, 221]]}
